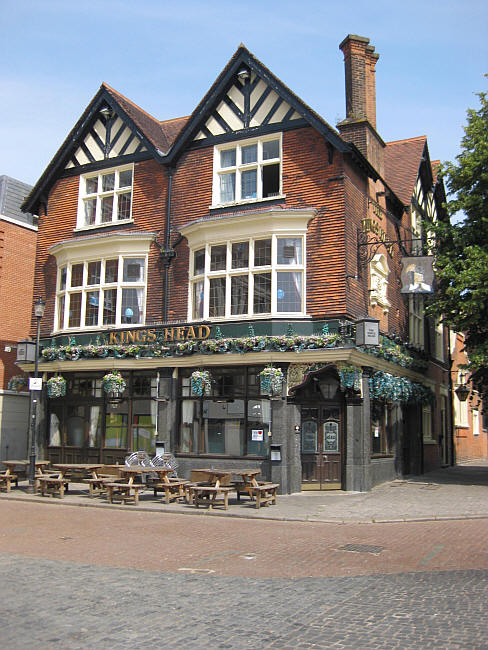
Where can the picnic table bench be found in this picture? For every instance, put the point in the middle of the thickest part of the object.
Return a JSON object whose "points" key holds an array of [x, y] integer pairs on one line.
{"points": [[207, 495]]}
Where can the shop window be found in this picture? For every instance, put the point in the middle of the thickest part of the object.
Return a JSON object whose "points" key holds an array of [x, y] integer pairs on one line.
{"points": [[234, 421], [380, 428], [247, 171], [427, 422]]}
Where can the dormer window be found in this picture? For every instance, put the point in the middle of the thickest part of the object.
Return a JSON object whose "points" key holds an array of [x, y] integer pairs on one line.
{"points": [[105, 197], [247, 171]]}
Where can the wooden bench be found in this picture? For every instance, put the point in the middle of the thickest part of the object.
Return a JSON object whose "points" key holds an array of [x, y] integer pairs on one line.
{"points": [[52, 485], [207, 495], [6, 480], [264, 493], [98, 485], [174, 490], [124, 491]]}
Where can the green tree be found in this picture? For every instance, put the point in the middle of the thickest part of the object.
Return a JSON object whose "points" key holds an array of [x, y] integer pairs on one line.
{"points": [[461, 248]]}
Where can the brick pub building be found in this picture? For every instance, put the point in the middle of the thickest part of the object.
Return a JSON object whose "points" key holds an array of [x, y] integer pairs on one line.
{"points": [[222, 263]]}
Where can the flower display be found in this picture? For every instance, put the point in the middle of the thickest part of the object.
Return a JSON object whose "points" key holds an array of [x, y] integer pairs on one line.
{"points": [[271, 380], [113, 382], [17, 382], [350, 378], [56, 387], [201, 383], [387, 387]]}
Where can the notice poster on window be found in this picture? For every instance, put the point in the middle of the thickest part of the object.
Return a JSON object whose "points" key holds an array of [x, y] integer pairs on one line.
{"points": [[257, 435]]}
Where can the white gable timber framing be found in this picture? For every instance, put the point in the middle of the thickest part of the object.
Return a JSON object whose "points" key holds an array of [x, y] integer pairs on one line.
{"points": [[107, 138], [231, 114]]}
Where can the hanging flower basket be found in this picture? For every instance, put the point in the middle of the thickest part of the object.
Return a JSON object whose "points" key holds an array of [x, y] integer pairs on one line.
{"points": [[17, 382], [350, 377], [271, 380], [56, 387], [201, 382], [113, 382]]}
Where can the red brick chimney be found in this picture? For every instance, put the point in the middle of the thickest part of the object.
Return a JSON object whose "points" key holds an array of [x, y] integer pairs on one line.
{"points": [[359, 127]]}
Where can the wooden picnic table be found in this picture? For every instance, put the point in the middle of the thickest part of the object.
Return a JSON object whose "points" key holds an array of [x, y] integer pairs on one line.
{"points": [[58, 484], [9, 475], [218, 481], [127, 489]]}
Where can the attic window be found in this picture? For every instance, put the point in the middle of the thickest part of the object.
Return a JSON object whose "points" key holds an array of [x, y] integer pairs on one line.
{"points": [[248, 170], [105, 197]]}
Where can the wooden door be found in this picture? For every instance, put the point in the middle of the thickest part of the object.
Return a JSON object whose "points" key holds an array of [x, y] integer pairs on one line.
{"points": [[321, 453]]}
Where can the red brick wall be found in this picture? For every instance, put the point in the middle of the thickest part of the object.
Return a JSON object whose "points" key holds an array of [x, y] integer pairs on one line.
{"points": [[17, 254]]}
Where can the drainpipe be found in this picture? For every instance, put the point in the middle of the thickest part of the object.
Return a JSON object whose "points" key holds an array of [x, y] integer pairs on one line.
{"points": [[167, 253], [452, 458]]}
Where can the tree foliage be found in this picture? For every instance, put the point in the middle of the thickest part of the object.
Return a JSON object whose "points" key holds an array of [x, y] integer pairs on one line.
{"points": [[461, 248]]}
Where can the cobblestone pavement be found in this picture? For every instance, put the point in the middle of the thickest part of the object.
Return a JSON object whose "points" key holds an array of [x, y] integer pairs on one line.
{"points": [[52, 604], [113, 577]]}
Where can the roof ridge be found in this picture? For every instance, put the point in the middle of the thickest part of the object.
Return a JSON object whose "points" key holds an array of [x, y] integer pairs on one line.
{"points": [[174, 119], [110, 89], [414, 139]]}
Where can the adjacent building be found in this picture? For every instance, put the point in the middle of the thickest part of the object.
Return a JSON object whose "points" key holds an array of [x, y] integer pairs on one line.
{"points": [[227, 264], [18, 232]]}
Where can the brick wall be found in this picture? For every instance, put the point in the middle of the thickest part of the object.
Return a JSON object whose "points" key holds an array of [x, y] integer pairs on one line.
{"points": [[17, 255]]}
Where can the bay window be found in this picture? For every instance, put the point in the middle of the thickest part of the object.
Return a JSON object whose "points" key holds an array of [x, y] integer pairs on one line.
{"points": [[250, 276]]}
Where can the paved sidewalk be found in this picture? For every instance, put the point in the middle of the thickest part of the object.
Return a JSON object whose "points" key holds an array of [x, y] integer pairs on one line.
{"points": [[459, 492]]}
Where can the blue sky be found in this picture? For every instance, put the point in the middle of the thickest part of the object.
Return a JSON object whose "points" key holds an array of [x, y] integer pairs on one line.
{"points": [[164, 55]]}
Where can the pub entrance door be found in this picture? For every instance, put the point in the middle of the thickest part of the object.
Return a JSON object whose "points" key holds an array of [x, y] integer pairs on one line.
{"points": [[321, 450]]}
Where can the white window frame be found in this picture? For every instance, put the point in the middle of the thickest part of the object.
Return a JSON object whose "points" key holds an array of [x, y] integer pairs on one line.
{"points": [[475, 415], [240, 167], [273, 224], [439, 341], [461, 418], [416, 319], [94, 249], [84, 196]]}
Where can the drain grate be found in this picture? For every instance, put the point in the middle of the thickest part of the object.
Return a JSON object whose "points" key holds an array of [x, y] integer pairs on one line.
{"points": [[362, 548]]}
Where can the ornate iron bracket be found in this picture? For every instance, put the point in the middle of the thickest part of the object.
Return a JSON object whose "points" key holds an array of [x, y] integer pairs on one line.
{"points": [[369, 243]]}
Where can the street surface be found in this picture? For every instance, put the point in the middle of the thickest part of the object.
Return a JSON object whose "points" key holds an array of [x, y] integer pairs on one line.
{"points": [[80, 577]]}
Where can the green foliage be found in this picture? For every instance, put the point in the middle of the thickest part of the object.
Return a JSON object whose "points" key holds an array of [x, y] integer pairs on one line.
{"points": [[461, 248]]}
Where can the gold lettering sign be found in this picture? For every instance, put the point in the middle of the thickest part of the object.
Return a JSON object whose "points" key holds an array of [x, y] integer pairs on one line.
{"points": [[168, 335], [372, 226]]}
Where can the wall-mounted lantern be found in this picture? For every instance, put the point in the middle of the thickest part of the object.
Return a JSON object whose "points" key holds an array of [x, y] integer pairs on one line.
{"points": [[462, 392]]}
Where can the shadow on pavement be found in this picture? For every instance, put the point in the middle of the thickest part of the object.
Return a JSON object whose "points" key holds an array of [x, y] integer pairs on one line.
{"points": [[470, 473]]}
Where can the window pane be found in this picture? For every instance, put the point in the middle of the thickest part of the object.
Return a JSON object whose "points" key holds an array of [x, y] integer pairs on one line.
{"points": [[217, 297], [94, 273], [249, 184], [60, 312], [249, 154], [199, 262], [227, 187], [132, 305], [109, 306], [108, 182], [123, 209], [62, 278], [91, 308], [77, 275], [90, 211], [228, 158], [262, 293], [74, 310], [289, 292], [240, 255], [125, 178], [111, 271], [262, 252], [107, 208], [258, 423], [198, 296], [218, 258], [239, 294], [91, 185], [271, 180], [133, 269], [289, 250], [271, 149]]}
